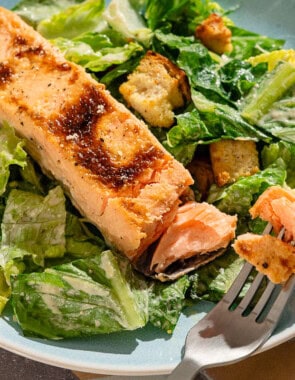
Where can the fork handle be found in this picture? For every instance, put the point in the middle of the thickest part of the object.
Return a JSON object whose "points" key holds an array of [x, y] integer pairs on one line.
{"points": [[187, 369]]}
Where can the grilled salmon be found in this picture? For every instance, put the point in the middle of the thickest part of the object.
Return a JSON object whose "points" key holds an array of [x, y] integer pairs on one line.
{"points": [[270, 255], [114, 170], [277, 206], [198, 229]]}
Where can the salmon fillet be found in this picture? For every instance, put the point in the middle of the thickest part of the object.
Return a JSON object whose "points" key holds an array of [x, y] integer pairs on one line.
{"points": [[263, 207], [197, 229], [114, 170], [277, 206], [270, 255]]}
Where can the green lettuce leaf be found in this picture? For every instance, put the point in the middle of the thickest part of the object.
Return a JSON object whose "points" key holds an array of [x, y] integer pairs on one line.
{"points": [[166, 302], [247, 44], [123, 18], [100, 59], [74, 20], [11, 153], [35, 224], [277, 152], [271, 89], [280, 118], [182, 16], [80, 241], [238, 197], [4, 291], [212, 281], [85, 297], [34, 11]]}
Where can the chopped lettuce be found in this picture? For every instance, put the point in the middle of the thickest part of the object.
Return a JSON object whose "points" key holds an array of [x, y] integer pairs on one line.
{"points": [[278, 152], [85, 297], [166, 302], [247, 44], [35, 224], [34, 11], [80, 241], [271, 89], [11, 153], [239, 197], [4, 291], [97, 60], [213, 280], [182, 16], [123, 18], [74, 20], [280, 118]]}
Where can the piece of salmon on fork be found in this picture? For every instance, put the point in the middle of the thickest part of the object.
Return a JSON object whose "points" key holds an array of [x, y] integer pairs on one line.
{"points": [[115, 171]]}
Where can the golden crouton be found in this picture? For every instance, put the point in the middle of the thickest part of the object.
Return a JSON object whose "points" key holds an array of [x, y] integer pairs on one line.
{"points": [[214, 34], [232, 159], [270, 255], [155, 89]]}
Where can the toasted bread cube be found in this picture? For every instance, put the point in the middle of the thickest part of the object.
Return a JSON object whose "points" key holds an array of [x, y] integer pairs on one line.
{"points": [[201, 171], [270, 255], [155, 89], [215, 35], [232, 159]]}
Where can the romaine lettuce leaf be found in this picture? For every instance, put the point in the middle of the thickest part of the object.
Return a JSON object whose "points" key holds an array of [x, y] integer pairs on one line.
{"points": [[11, 153], [280, 118], [35, 224], [74, 20], [33, 11], [183, 16], [85, 297], [238, 77], [123, 18], [238, 197], [102, 58], [271, 89], [281, 151], [4, 291], [212, 281], [80, 241], [166, 302], [247, 44]]}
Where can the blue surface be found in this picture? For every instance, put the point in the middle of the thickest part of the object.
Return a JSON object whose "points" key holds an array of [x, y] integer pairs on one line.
{"points": [[149, 351]]}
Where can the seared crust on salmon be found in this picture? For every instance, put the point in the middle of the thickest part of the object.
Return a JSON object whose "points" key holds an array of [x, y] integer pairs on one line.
{"points": [[115, 171]]}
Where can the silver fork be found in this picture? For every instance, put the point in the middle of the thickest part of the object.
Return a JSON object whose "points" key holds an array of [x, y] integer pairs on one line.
{"points": [[227, 335]]}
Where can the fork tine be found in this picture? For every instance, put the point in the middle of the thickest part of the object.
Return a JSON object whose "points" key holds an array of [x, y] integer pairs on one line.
{"points": [[281, 301], [238, 284], [250, 293], [263, 300]]}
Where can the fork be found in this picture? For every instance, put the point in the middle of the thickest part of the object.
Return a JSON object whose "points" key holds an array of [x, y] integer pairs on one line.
{"points": [[227, 334]]}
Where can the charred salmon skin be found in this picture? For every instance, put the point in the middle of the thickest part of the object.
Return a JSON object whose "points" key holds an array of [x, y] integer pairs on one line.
{"points": [[114, 170]]}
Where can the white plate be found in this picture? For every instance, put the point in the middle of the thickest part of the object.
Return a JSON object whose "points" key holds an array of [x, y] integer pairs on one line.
{"points": [[149, 351]]}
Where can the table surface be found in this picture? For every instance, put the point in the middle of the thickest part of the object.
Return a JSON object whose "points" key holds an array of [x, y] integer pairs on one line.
{"points": [[274, 364]]}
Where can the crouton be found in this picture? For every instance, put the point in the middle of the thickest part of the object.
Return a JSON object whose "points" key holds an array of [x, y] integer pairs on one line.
{"points": [[214, 34], [270, 255], [201, 171], [155, 89], [232, 159]]}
